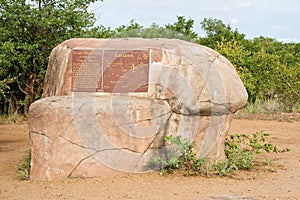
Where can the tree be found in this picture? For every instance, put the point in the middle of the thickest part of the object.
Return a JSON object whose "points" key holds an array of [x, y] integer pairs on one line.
{"points": [[29, 30], [240, 57], [154, 31], [276, 66], [216, 31], [184, 27], [269, 69]]}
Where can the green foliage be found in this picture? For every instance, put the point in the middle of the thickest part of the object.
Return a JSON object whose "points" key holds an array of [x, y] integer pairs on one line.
{"points": [[241, 151], [4, 87], [154, 31], [24, 168], [187, 160], [269, 69], [183, 27], [181, 156], [29, 31], [102, 32], [216, 31], [271, 166]]}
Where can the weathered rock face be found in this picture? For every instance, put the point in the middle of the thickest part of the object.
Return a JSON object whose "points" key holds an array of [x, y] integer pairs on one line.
{"points": [[107, 105]]}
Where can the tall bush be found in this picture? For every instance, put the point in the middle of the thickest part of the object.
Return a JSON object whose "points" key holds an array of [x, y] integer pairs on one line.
{"points": [[29, 30]]}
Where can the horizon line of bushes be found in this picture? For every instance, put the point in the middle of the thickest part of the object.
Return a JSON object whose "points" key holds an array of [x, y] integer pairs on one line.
{"points": [[269, 69]]}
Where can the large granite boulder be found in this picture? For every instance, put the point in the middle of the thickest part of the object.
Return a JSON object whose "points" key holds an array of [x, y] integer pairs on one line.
{"points": [[108, 104]]}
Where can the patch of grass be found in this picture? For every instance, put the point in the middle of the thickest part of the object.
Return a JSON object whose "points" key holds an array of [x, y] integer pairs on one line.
{"points": [[24, 168], [282, 117], [11, 119], [270, 165], [269, 110], [271, 106], [241, 151]]}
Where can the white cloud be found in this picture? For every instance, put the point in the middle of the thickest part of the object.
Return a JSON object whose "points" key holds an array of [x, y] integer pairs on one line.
{"points": [[233, 21], [226, 8], [279, 27], [276, 19], [244, 4]]}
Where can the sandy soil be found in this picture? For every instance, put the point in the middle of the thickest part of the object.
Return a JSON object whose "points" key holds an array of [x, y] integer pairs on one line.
{"points": [[258, 183]]}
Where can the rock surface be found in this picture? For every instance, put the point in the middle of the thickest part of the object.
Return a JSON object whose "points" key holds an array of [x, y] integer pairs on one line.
{"points": [[108, 103]]}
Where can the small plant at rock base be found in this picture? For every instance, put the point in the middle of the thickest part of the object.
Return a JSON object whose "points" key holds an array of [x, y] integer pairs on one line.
{"points": [[181, 157], [24, 168], [187, 159], [167, 164], [167, 161], [270, 166], [241, 151]]}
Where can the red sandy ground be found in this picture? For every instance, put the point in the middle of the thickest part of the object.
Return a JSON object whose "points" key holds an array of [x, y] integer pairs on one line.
{"points": [[257, 183]]}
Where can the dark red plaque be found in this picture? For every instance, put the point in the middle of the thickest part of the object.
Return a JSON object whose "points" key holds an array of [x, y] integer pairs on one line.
{"points": [[114, 71], [86, 70]]}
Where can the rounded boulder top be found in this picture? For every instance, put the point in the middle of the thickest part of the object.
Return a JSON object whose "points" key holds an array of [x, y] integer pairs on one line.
{"points": [[193, 78]]}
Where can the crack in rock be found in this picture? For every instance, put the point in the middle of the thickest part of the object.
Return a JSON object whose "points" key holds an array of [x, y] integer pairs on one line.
{"points": [[97, 150], [41, 133], [151, 143], [143, 120], [94, 154]]}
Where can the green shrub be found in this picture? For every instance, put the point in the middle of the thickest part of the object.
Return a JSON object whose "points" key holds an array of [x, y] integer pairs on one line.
{"points": [[24, 168], [241, 151]]}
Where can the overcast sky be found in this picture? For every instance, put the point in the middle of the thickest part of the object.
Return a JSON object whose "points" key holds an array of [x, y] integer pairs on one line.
{"points": [[279, 19]]}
